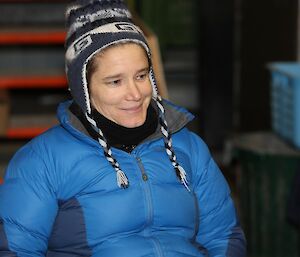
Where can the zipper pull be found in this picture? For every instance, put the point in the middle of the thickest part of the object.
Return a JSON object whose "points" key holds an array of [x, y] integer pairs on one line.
{"points": [[145, 177]]}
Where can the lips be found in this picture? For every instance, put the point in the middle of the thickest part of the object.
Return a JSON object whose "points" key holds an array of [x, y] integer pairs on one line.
{"points": [[133, 109]]}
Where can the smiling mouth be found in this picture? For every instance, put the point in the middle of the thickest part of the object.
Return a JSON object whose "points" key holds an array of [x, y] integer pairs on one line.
{"points": [[133, 109]]}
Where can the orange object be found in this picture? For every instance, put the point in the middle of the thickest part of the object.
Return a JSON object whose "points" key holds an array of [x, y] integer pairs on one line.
{"points": [[32, 37], [25, 133], [33, 82]]}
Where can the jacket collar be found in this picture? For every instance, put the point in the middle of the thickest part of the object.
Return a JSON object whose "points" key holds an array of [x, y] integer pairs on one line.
{"points": [[176, 117]]}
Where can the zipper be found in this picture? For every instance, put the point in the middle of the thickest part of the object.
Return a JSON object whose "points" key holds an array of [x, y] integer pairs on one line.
{"points": [[144, 174], [149, 219], [145, 186]]}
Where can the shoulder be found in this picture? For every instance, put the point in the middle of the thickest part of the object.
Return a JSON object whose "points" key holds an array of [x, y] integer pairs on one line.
{"points": [[43, 155], [193, 153], [184, 140], [176, 116], [32, 159], [58, 142], [192, 143], [50, 161]]}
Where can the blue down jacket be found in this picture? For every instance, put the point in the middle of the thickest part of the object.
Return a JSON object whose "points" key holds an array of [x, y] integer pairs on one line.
{"points": [[60, 198]]}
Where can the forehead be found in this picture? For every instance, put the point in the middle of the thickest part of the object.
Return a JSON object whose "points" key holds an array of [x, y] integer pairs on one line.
{"points": [[115, 50]]}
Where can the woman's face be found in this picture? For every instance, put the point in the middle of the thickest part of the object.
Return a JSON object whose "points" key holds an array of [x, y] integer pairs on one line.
{"points": [[120, 88]]}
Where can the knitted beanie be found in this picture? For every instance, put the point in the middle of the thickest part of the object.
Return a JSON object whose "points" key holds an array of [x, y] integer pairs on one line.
{"points": [[94, 25]]}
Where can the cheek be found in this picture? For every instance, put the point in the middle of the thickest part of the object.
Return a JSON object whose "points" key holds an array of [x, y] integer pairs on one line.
{"points": [[147, 89], [103, 94], [101, 98]]}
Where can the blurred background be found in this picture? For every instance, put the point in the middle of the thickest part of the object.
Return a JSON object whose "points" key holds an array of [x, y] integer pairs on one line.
{"points": [[233, 63]]}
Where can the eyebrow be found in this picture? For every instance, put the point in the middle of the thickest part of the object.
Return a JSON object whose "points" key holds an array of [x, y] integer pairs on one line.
{"points": [[116, 76], [144, 69]]}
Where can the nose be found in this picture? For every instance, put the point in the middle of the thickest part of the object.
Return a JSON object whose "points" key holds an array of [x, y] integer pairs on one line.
{"points": [[133, 91]]}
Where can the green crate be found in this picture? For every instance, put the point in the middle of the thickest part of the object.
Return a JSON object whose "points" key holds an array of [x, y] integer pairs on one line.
{"points": [[267, 171]]}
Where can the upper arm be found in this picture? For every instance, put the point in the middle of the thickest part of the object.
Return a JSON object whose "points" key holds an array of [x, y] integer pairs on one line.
{"points": [[28, 205]]}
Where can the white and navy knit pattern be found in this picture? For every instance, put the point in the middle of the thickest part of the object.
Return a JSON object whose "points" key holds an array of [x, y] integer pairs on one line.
{"points": [[94, 25], [98, 13]]}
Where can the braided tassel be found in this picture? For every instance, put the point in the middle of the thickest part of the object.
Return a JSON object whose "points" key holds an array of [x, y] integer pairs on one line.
{"points": [[122, 179], [183, 177], [180, 172]]}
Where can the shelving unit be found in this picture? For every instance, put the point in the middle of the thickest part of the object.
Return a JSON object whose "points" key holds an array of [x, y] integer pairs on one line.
{"points": [[26, 36], [30, 81], [38, 82], [31, 62]]}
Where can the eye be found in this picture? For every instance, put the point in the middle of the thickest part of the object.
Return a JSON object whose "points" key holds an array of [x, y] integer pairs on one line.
{"points": [[114, 83], [142, 76]]}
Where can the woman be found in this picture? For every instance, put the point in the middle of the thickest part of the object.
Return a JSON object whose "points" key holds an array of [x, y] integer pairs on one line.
{"points": [[121, 175]]}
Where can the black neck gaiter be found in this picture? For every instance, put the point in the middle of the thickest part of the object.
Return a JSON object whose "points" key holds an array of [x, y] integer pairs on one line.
{"points": [[117, 135]]}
